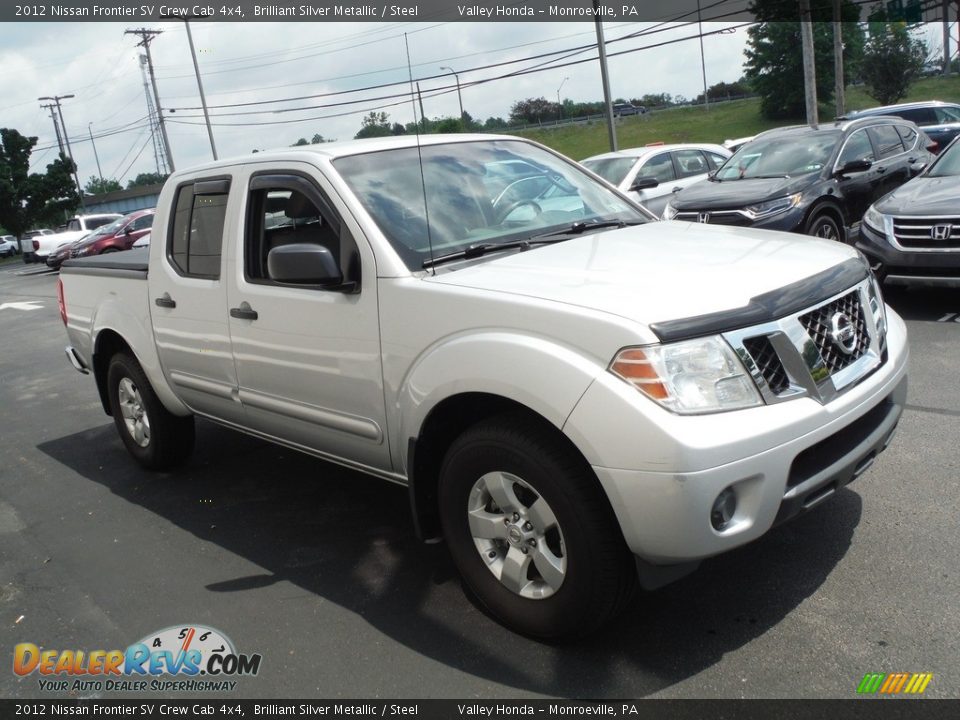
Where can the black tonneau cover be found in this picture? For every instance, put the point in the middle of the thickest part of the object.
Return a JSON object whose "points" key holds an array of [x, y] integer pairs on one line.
{"points": [[130, 263]]}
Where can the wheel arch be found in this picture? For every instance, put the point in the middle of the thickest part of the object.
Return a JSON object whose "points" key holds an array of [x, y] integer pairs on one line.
{"points": [[826, 205]]}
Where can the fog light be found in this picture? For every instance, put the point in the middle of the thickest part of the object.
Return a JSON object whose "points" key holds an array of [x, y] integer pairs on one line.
{"points": [[723, 509]]}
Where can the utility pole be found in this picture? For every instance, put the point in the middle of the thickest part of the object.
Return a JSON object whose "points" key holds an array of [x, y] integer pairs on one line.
{"points": [[703, 62], [602, 50], [146, 37], [809, 67], [560, 104], [66, 138], [423, 116], [151, 114], [946, 37], [96, 157], [56, 125], [841, 85]]}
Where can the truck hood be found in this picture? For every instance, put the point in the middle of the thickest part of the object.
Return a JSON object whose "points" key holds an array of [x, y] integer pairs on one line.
{"points": [[656, 272], [924, 196], [729, 194]]}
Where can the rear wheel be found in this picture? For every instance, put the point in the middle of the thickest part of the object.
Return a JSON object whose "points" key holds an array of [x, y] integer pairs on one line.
{"points": [[156, 438], [531, 530]]}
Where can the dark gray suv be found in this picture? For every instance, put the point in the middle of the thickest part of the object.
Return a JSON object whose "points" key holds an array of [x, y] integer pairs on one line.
{"points": [[939, 120]]}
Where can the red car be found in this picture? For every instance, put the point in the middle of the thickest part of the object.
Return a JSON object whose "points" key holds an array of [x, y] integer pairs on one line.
{"points": [[119, 235]]}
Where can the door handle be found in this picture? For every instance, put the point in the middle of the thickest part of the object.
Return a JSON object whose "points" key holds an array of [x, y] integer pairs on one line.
{"points": [[881, 170], [165, 301], [244, 312], [677, 189]]}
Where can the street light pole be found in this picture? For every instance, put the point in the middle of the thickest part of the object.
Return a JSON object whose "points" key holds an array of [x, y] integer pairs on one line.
{"points": [[203, 99], [459, 96], [66, 138], [95, 155], [604, 77], [560, 104]]}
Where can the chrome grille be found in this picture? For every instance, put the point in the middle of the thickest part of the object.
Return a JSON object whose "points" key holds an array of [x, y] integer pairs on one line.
{"points": [[720, 217], [819, 325], [929, 233], [768, 363]]}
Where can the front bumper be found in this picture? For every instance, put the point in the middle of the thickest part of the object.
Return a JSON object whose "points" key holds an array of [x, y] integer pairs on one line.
{"points": [[662, 472], [905, 267]]}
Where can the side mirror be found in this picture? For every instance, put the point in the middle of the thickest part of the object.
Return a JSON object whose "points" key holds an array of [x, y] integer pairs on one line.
{"points": [[128, 230], [917, 168], [644, 182], [304, 264], [855, 166]]}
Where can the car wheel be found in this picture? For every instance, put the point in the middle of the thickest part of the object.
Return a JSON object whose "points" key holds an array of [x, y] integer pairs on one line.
{"points": [[156, 438], [825, 227], [531, 531]]}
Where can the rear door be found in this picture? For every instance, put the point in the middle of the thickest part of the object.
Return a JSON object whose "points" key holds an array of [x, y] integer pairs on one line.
{"points": [[308, 359], [858, 188], [892, 159], [188, 297]]}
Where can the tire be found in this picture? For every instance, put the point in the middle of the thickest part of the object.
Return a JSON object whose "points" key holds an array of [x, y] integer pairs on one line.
{"points": [[156, 438], [823, 226], [510, 484]]}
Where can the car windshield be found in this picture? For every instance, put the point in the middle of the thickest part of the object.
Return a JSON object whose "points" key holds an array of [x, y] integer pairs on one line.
{"points": [[613, 170], [780, 156], [472, 193], [947, 163], [104, 230]]}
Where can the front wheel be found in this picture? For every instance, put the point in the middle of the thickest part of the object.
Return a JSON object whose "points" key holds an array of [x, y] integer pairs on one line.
{"points": [[531, 531], [825, 227], [156, 438]]}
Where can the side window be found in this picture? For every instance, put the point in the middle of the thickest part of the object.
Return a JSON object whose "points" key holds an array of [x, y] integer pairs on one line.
{"points": [[908, 135], [197, 235], [858, 147], [887, 139], [659, 167], [921, 116], [715, 160], [690, 162], [281, 215], [72, 225], [142, 223], [947, 115]]}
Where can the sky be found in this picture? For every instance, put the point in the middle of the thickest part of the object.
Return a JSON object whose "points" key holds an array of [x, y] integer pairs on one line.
{"points": [[250, 62]]}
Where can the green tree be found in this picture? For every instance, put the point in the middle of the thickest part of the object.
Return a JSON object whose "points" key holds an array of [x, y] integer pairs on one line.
{"points": [[533, 110], [147, 179], [375, 124], [774, 65], [316, 140], [98, 186], [28, 199], [892, 60]]}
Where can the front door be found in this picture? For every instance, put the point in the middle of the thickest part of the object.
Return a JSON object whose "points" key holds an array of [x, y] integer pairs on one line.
{"points": [[308, 358]]}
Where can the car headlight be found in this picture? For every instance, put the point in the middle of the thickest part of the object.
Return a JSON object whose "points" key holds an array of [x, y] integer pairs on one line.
{"points": [[878, 222], [689, 377], [669, 212], [773, 207], [878, 307]]}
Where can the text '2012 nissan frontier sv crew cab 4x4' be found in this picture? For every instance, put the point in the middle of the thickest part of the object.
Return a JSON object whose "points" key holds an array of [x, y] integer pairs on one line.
{"points": [[579, 400]]}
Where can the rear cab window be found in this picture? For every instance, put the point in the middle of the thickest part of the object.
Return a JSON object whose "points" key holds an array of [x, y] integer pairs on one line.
{"points": [[196, 234]]}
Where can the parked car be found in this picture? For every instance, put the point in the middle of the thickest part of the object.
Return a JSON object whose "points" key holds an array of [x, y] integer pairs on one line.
{"points": [[578, 400], [77, 227], [119, 235], [939, 120], [818, 182], [27, 246], [8, 246], [651, 175], [628, 109], [142, 241], [912, 235]]}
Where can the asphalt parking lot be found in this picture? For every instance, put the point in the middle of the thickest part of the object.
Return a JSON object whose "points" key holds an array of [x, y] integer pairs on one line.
{"points": [[317, 569]]}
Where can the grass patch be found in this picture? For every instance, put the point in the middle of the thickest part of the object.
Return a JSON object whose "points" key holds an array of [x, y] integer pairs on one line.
{"points": [[735, 119]]}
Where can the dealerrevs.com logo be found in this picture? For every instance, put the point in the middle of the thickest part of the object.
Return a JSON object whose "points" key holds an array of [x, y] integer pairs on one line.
{"points": [[177, 658]]}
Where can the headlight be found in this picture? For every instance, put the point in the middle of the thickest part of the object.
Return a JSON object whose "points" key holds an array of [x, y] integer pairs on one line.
{"points": [[669, 212], [773, 207], [689, 377], [878, 222], [877, 306]]}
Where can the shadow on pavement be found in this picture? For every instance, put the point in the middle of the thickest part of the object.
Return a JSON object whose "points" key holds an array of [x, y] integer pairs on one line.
{"points": [[348, 538]]}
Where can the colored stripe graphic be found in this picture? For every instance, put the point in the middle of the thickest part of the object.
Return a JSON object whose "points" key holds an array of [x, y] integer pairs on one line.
{"points": [[894, 683]]}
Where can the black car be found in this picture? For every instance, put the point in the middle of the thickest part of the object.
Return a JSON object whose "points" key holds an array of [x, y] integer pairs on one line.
{"points": [[912, 235], [939, 120], [805, 180]]}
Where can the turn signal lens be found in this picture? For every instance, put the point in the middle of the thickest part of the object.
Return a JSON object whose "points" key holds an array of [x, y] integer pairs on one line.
{"points": [[634, 367]]}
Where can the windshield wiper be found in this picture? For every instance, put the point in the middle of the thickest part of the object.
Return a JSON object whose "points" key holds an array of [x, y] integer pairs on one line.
{"points": [[578, 228], [480, 249], [764, 177]]}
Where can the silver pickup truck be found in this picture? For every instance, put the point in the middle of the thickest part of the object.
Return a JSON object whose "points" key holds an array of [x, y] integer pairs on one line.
{"points": [[579, 400]]}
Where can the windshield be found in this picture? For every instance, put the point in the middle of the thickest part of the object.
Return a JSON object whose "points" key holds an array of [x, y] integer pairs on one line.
{"points": [[780, 156], [948, 163], [613, 170], [105, 230], [493, 191]]}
